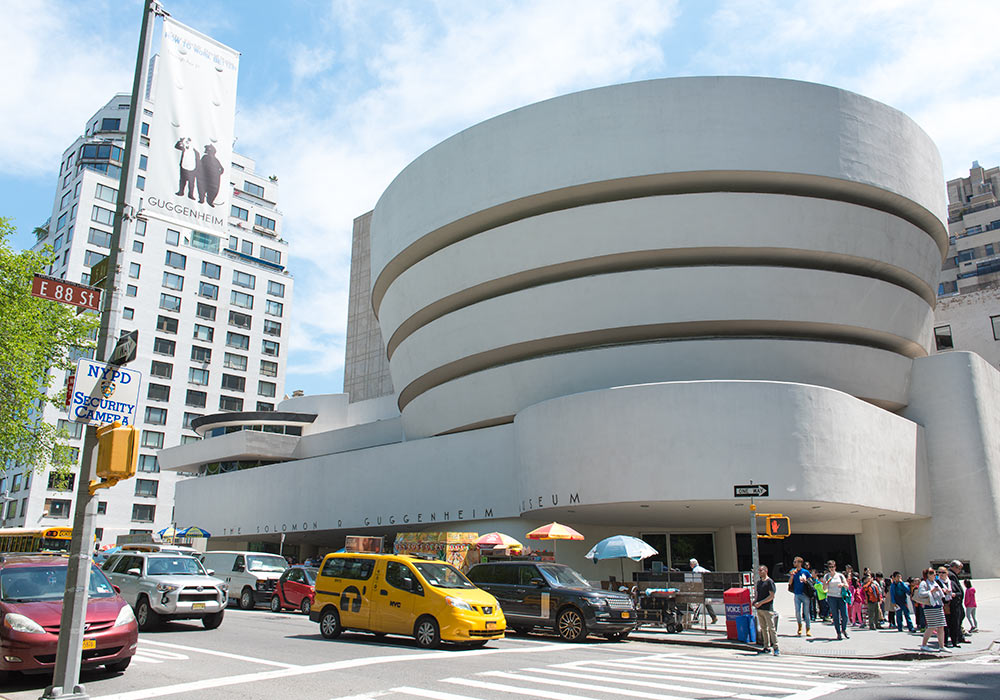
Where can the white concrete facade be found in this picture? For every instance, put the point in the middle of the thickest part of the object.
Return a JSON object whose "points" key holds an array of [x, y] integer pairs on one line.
{"points": [[610, 307]]}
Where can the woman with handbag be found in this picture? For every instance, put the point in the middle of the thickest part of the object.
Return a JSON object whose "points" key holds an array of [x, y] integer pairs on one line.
{"points": [[931, 596], [837, 596]]}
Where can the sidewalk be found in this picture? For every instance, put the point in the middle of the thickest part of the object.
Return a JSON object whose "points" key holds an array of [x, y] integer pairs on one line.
{"points": [[885, 643]]}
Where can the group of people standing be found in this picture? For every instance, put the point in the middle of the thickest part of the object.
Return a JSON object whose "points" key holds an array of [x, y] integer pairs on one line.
{"points": [[939, 601]]}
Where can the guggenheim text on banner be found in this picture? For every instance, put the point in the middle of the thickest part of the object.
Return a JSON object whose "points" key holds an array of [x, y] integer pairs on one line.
{"points": [[191, 136]]}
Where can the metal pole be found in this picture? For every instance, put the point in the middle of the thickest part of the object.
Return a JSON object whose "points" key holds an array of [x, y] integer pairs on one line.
{"points": [[69, 653], [754, 553]]}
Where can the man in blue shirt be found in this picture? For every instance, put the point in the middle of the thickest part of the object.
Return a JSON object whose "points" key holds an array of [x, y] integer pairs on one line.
{"points": [[798, 580]]}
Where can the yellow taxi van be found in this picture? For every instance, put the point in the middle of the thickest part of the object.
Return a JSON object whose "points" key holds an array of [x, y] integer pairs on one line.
{"points": [[429, 600]]}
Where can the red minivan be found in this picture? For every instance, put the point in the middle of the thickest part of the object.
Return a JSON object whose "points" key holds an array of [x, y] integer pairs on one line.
{"points": [[296, 589], [31, 601]]}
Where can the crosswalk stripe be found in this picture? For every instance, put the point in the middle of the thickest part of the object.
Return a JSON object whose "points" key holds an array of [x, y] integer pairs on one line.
{"points": [[516, 690], [582, 686], [720, 673], [162, 654], [824, 664], [432, 694], [650, 684], [694, 679], [145, 659], [768, 666]]}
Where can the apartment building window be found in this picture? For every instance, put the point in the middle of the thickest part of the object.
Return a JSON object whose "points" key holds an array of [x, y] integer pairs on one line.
{"points": [[61, 482], [61, 221], [273, 308], [140, 227], [271, 327], [105, 193], [72, 429], [234, 243], [152, 439], [230, 403], [146, 487], [200, 354], [247, 247], [136, 246], [239, 213], [102, 507], [92, 257], [148, 463], [156, 416], [53, 508], [276, 289], [231, 382], [188, 439], [97, 237], [263, 222], [196, 398], [253, 188], [942, 338], [266, 388], [268, 368], [144, 129], [211, 270], [189, 419], [108, 124], [198, 376], [158, 392], [232, 361], [269, 347], [173, 237], [143, 513], [163, 370], [205, 311], [162, 346], [265, 406], [175, 259], [172, 281], [244, 301], [166, 324], [209, 291], [244, 279], [206, 333], [995, 320], [133, 270], [270, 254], [102, 216], [143, 162], [15, 484], [168, 302], [240, 320], [130, 291], [238, 340], [966, 255]]}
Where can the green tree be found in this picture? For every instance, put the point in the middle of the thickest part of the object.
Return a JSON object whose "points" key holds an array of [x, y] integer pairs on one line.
{"points": [[37, 336]]}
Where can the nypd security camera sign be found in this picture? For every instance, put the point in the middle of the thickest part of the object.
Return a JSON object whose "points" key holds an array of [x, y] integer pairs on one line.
{"points": [[104, 394]]}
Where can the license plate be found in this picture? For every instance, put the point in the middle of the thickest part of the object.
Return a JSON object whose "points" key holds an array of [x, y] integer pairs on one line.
{"points": [[491, 625], [89, 643], [626, 615], [197, 606]]}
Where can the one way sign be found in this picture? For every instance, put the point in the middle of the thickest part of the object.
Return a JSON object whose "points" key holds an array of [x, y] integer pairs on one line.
{"points": [[750, 491], [125, 349]]}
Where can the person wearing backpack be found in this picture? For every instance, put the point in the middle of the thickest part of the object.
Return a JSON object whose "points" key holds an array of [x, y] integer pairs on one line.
{"points": [[838, 594], [799, 584], [872, 593]]}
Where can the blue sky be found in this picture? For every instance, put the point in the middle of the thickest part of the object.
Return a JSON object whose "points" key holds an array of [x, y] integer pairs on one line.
{"points": [[336, 97]]}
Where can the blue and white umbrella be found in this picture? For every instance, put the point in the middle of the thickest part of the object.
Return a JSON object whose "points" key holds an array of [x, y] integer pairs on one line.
{"points": [[621, 547]]}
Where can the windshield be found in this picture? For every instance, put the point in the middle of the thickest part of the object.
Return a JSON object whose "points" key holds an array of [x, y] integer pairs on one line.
{"points": [[266, 562], [562, 576], [26, 584], [174, 566], [443, 575], [52, 544], [311, 575]]}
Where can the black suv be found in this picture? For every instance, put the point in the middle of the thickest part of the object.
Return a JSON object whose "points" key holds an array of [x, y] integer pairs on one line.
{"points": [[538, 594]]}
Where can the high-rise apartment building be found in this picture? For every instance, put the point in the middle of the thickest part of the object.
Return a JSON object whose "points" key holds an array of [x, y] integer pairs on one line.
{"points": [[212, 314], [967, 316]]}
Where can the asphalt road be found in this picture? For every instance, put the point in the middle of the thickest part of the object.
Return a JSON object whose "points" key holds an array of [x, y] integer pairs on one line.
{"points": [[259, 654]]}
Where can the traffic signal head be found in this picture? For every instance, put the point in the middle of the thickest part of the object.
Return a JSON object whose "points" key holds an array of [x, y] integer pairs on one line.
{"points": [[117, 451], [778, 526]]}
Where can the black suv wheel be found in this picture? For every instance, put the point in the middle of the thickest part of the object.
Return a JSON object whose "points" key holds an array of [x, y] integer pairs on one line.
{"points": [[571, 626]]}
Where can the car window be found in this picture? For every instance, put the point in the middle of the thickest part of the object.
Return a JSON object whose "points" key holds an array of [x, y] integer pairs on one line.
{"points": [[358, 569], [110, 563], [526, 572], [266, 563], [126, 562], [481, 573], [561, 576], [333, 567], [506, 575], [399, 575], [25, 584], [239, 564], [310, 575], [294, 575], [173, 566], [443, 575]]}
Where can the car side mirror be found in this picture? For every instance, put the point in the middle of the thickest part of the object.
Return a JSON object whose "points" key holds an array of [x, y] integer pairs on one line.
{"points": [[210, 572], [133, 572], [239, 567], [117, 589], [539, 582]]}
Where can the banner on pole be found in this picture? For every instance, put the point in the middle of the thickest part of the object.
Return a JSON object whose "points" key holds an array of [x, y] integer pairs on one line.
{"points": [[191, 135]]}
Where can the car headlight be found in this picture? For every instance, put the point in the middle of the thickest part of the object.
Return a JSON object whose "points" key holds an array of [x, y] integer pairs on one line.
{"points": [[596, 602], [458, 603], [125, 616], [224, 586], [21, 623], [166, 587]]}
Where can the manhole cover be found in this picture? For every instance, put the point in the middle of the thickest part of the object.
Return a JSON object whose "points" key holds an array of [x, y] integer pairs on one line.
{"points": [[853, 675]]}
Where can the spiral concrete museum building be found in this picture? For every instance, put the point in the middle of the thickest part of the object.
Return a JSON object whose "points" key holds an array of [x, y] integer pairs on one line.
{"points": [[608, 308]]}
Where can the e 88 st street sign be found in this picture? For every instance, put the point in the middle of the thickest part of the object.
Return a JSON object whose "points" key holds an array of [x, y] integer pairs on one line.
{"points": [[72, 293]]}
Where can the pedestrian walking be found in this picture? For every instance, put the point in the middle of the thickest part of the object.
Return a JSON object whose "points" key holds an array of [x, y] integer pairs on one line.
{"points": [[970, 605], [800, 585], [899, 594], [872, 593], [837, 592], [698, 569], [931, 596], [823, 607], [764, 605], [813, 600]]}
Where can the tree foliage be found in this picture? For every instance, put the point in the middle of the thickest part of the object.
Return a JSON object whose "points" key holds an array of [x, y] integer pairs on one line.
{"points": [[38, 338]]}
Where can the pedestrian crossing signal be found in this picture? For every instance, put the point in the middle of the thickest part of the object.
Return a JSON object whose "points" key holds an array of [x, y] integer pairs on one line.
{"points": [[778, 526]]}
